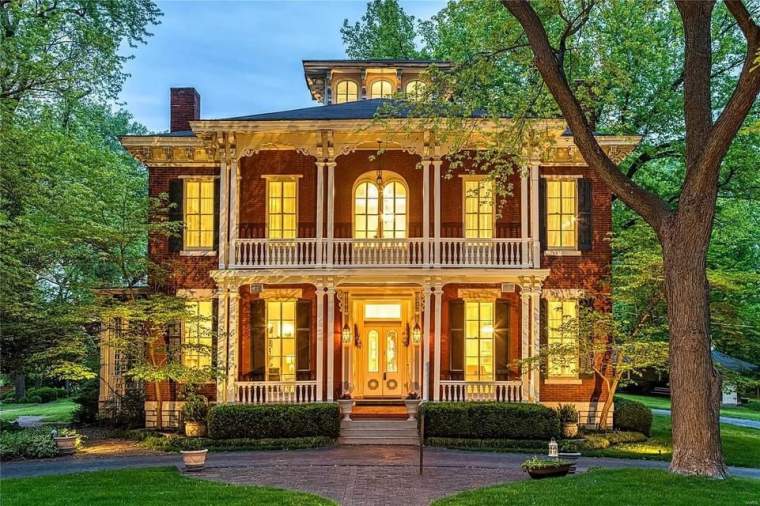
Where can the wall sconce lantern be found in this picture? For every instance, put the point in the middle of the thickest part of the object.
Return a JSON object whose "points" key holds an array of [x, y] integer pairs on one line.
{"points": [[345, 334], [553, 449], [416, 333]]}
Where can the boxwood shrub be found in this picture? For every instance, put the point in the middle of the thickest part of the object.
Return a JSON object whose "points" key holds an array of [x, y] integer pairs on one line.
{"points": [[490, 420], [632, 416], [229, 421]]}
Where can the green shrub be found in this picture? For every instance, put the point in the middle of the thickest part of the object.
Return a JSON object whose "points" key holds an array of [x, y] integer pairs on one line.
{"points": [[490, 420], [632, 416], [30, 399], [195, 408], [28, 444], [9, 396], [229, 421], [567, 413], [602, 440], [46, 394], [87, 411], [8, 426], [488, 444], [176, 443]]}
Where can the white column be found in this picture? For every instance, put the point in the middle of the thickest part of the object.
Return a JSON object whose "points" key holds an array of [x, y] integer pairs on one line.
{"points": [[330, 209], [524, 235], [224, 212], [232, 345], [320, 209], [222, 298], [320, 338], [234, 200], [438, 297], [426, 210], [426, 344], [535, 301], [437, 211], [330, 342], [534, 215], [524, 342]]}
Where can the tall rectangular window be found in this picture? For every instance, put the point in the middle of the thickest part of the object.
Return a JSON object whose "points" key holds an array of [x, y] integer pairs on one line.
{"points": [[281, 209], [478, 209], [478, 328], [197, 334], [562, 331], [199, 214], [561, 207], [281, 340]]}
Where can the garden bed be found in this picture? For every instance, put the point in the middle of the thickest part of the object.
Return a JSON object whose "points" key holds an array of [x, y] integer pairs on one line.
{"points": [[175, 442]]}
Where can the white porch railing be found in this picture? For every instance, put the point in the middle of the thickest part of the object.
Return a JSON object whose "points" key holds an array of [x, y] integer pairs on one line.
{"points": [[409, 252], [466, 391], [270, 392]]}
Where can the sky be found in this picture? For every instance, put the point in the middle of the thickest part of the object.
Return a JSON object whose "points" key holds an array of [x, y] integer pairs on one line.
{"points": [[243, 57]]}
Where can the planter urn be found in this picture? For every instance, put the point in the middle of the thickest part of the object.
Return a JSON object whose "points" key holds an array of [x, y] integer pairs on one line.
{"points": [[549, 472], [569, 429], [195, 429], [194, 460], [66, 444], [412, 408], [346, 407]]}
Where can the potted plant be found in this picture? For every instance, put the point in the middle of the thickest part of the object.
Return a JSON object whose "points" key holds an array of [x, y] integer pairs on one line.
{"points": [[194, 413], [65, 440], [346, 404], [542, 467], [568, 415], [194, 460], [412, 403]]}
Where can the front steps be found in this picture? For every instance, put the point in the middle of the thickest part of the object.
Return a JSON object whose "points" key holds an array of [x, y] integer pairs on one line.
{"points": [[378, 432]]}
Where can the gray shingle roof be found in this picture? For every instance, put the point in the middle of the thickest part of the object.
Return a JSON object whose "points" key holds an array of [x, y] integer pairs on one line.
{"points": [[360, 109]]}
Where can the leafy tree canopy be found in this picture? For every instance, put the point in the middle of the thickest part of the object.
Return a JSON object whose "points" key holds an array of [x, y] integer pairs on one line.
{"points": [[385, 31]]}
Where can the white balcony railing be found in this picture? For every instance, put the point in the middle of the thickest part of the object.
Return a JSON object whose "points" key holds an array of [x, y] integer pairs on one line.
{"points": [[272, 392], [410, 252], [466, 391]]}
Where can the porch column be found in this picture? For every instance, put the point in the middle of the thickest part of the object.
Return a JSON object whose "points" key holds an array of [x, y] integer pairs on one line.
{"points": [[438, 296], [232, 344], [524, 342], [222, 300], [320, 338], [234, 202], [437, 213], [524, 235], [330, 342], [426, 211], [534, 196], [426, 344], [330, 209], [224, 211], [320, 209], [535, 301]]}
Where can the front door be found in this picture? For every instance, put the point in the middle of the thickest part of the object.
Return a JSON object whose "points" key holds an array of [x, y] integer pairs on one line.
{"points": [[383, 360]]}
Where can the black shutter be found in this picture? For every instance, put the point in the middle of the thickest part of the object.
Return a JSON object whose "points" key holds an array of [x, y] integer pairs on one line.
{"points": [[258, 339], [585, 232], [217, 195], [501, 340], [543, 333], [176, 188], [214, 331], [542, 213], [303, 337], [456, 337], [585, 306]]}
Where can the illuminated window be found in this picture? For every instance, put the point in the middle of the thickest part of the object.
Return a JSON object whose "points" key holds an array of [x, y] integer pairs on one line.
{"points": [[366, 211], [368, 208], [391, 362], [415, 90], [281, 340], [281, 209], [373, 351], [479, 317], [478, 209], [382, 311], [562, 332], [381, 89], [346, 91], [199, 214], [394, 210], [561, 230], [197, 334]]}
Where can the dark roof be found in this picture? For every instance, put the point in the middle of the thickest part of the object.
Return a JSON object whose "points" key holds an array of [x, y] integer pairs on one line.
{"points": [[376, 62], [359, 109], [733, 363], [182, 133]]}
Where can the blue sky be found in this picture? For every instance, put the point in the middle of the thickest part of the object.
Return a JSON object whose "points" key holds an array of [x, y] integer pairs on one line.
{"points": [[242, 57]]}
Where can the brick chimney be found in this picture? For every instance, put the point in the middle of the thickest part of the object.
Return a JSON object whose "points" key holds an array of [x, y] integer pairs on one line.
{"points": [[185, 107]]}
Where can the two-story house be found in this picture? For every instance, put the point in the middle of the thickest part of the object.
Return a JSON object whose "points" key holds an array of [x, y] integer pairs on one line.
{"points": [[330, 269]]}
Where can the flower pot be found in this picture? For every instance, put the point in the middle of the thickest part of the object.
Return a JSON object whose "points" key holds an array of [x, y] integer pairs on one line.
{"points": [[195, 429], [412, 407], [194, 460], [66, 444], [346, 406], [569, 429], [549, 472], [572, 457]]}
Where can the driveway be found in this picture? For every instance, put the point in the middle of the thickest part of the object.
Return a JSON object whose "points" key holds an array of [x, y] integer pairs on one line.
{"points": [[728, 420]]}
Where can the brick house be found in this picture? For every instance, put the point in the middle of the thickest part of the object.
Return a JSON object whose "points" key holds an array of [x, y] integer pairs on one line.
{"points": [[328, 269]]}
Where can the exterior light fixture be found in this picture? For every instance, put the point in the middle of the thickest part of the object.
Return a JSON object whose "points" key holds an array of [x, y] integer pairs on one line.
{"points": [[416, 333], [553, 449], [379, 179], [345, 334]]}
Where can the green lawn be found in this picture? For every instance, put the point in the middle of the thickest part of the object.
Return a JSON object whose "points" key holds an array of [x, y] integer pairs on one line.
{"points": [[741, 446], [60, 410], [621, 486], [142, 487], [749, 412]]}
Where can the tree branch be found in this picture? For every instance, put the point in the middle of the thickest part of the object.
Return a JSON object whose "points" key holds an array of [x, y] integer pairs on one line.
{"points": [[738, 10]]}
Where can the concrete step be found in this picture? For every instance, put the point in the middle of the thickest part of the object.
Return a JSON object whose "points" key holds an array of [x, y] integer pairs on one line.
{"points": [[379, 432], [367, 423], [369, 440]]}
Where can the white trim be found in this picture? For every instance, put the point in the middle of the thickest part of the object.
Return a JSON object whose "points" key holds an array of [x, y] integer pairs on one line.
{"points": [[426, 207], [468, 178], [437, 212], [562, 253], [330, 342], [330, 207], [534, 218], [221, 344], [234, 201], [232, 344], [320, 338], [562, 176], [426, 345], [198, 177], [198, 252], [562, 381], [281, 177], [393, 178], [224, 214], [438, 296], [320, 209]]}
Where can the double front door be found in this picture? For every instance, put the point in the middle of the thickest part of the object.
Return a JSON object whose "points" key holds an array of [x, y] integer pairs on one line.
{"points": [[383, 361]]}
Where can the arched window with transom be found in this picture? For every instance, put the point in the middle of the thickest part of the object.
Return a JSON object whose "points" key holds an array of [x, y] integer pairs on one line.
{"points": [[380, 210], [381, 88], [415, 90], [346, 91]]}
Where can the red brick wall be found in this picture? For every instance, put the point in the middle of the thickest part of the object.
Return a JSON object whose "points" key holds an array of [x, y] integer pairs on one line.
{"points": [[185, 106]]}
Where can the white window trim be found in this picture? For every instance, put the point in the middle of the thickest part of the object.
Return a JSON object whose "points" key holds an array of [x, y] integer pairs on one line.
{"points": [[571, 251], [295, 337], [493, 337], [563, 295], [280, 178], [199, 295], [344, 80], [392, 178], [477, 177], [199, 251]]}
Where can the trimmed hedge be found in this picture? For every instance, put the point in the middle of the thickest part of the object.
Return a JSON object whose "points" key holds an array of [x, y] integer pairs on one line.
{"points": [[605, 440], [632, 416], [230, 421], [529, 445], [490, 420], [175, 443]]}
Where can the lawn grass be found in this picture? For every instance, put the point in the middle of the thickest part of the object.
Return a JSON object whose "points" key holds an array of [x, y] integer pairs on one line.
{"points": [[741, 446], [60, 410], [144, 487], [621, 486], [750, 411]]}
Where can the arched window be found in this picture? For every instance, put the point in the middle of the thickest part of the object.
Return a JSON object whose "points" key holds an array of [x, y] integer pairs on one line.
{"points": [[381, 89], [394, 210], [366, 211], [371, 204], [346, 91], [415, 90]]}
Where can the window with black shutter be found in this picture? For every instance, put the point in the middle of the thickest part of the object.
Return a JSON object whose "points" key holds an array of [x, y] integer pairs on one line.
{"points": [[303, 339], [501, 340], [258, 339], [456, 338], [585, 229], [176, 201]]}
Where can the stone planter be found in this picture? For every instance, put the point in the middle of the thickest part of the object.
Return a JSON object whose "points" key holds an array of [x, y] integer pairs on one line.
{"points": [[412, 408], [194, 460], [549, 472], [346, 407], [569, 429], [195, 429], [571, 457], [66, 444]]}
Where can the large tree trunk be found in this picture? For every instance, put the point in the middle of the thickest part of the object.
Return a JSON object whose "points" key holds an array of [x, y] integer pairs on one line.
{"points": [[19, 383], [611, 389]]}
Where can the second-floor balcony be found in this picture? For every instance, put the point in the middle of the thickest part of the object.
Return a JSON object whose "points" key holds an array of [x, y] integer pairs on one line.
{"points": [[414, 252]]}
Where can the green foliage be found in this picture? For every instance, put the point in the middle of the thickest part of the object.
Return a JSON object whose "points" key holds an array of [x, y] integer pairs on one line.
{"points": [[487, 444], [195, 408], [603, 440], [543, 463], [490, 420], [8, 426], [176, 443], [87, 401], [228, 421], [632, 416], [567, 413], [385, 31], [46, 394], [28, 444]]}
